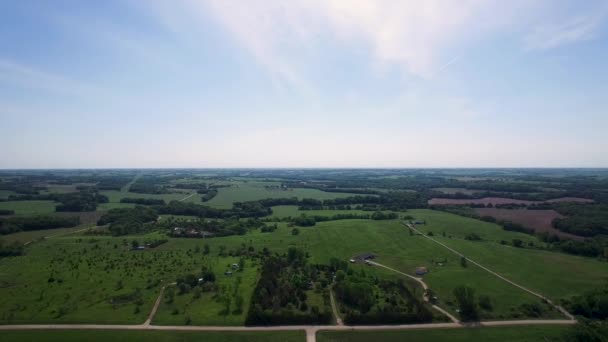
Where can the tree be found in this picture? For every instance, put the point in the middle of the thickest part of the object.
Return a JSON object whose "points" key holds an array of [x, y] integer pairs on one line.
{"points": [[134, 244], [206, 249], [463, 261], [485, 303], [295, 231], [465, 296]]}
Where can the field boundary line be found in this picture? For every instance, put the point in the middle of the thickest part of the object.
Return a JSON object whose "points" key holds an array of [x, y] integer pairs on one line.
{"points": [[559, 308]]}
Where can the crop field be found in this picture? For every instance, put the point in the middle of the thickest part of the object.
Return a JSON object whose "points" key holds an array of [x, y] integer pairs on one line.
{"points": [[539, 220], [251, 191], [116, 196], [29, 207], [456, 190], [486, 334], [146, 336], [502, 200]]}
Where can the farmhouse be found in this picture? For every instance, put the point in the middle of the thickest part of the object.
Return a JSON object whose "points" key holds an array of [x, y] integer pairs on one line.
{"points": [[421, 270]]}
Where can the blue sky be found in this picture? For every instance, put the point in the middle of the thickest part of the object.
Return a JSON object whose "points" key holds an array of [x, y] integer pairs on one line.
{"points": [[317, 83]]}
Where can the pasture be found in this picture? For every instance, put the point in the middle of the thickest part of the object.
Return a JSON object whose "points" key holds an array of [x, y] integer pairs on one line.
{"points": [[157, 336], [30, 207], [251, 191], [88, 279], [486, 334]]}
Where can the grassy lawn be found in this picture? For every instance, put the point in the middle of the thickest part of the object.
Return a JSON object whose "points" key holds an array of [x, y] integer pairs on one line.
{"points": [[486, 334], [146, 336], [92, 268], [29, 207], [556, 275], [292, 210], [116, 196], [251, 191], [206, 310], [33, 235]]}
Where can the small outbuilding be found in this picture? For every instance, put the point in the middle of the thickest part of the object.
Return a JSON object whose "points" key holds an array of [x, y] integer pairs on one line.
{"points": [[421, 270]]}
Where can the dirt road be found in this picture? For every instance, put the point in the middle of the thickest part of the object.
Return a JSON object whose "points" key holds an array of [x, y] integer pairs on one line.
{"points": [[561, 309], [424, 287]]}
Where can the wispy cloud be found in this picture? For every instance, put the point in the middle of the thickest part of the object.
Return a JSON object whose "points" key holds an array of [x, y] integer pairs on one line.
{"points": [[33, 78], [578, 29]]}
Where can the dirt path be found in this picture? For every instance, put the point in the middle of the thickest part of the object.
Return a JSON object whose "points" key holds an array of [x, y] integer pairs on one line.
{"points": [[561, 309], [424, 287], [127, 187], [185, 198], [156, 305], [334, 308]]}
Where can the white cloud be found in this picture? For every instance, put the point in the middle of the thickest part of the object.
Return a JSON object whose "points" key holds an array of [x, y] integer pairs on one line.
{"points": [[580, 28]]}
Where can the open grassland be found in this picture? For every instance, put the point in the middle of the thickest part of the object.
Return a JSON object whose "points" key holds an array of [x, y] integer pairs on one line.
{"points": [[456, 190], [394, 247], [556, 275], [208, 308], [251, 191], [29, 207], [114, 198], [5, 193], [486, 334], [92, 280], [147, 336], [281, 211], [97, 279], [33, 235], [456, 226], [501, 200]]}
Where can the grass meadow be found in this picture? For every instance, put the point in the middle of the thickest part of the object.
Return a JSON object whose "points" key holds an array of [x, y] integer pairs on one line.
{"points": [[84, 279], [157, 336], [251, 191], [486, 334]]}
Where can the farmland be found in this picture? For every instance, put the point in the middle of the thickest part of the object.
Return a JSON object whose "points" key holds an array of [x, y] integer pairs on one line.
{"points": [[531, 333], [145, 336], [251, 191], [500, 200], [539, 220], [221, 267]]}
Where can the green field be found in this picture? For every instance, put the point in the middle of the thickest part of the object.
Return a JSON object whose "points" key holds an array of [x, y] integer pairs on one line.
{"points": [[91, 267], [281, 211], [33, 235], [116, 196], [556, 275], [5, 193], [146, 336], [251, 191], [206, 310], [486, 334], [29, 207]]}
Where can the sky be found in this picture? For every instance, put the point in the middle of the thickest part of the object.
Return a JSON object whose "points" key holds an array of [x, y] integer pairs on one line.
{"points": [[315, 83]]}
